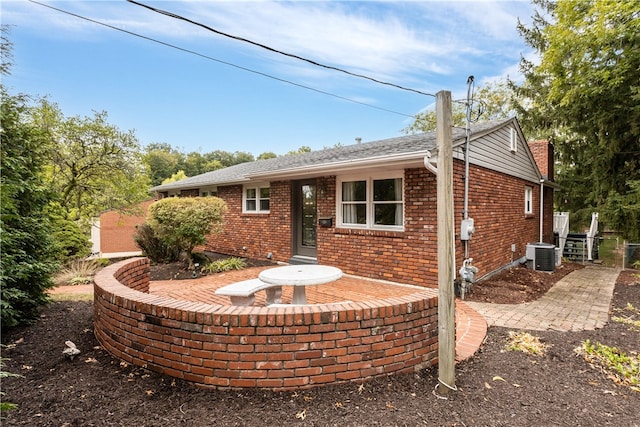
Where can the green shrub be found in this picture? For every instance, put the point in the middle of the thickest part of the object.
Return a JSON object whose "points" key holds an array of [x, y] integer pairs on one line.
{"points": [[102, 262], [226, 264], [69, 240], [185, 222], [154, 248]]}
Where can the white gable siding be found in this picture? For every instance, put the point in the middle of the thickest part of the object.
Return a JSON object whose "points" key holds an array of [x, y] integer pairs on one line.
{"points": [[493, 151]]}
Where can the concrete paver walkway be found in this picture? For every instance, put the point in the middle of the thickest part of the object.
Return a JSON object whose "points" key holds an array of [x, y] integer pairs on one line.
{"points": [[579, 301]]}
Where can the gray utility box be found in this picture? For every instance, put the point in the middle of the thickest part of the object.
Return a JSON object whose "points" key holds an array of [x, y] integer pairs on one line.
{"points": [[541, 256]]}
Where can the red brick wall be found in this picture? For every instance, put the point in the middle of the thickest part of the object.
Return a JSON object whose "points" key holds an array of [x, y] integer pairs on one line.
{"points": [[253, 234], [407, 257], [117, 230], [496, 203], [190, 193], [277, 348], [543, 154]]}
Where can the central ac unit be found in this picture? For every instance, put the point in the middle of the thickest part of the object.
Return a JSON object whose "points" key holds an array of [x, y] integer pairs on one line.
{"points": [[541, 256]]}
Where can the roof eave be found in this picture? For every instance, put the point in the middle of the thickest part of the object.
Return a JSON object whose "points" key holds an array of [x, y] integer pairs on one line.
{"points": [[403, 160]]}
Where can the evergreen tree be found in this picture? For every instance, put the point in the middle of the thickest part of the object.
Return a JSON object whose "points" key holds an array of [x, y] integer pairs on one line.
{"points": [[27, 258], [584, 96]]}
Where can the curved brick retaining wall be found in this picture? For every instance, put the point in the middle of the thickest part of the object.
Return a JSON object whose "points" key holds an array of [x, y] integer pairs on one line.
{"points": [[276, 348]]}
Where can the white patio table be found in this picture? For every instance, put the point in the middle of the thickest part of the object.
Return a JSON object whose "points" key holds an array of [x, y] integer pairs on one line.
{"points": [[300, 276]]}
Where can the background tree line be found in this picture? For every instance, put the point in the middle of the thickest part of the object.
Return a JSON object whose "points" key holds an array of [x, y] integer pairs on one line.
{"points": [[582, 95]]}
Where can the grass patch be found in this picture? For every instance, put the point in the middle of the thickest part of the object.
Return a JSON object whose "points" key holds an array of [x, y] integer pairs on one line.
{"points": [[607, 252], [71, 296], [621, 368], [526, 343], [226, 264], [77, 272], [629, 316]]}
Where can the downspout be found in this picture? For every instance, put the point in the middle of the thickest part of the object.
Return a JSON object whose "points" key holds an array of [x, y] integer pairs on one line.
{"points": [[429, 165], [433, 169], [465, 210], [541, 207]]}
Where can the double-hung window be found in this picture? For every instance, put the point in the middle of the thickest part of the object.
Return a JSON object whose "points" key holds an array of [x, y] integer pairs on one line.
{"points": [[255, 198], [371, 202], [528, 200]]}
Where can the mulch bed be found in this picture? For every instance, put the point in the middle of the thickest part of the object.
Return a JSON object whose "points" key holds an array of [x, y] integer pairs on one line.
{"points": [[518, 284], [179, 271], [495, 387]]}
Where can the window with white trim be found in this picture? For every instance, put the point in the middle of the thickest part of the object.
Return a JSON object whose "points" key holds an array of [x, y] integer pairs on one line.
{"points": [[255, 198], [528, 200], [375, 202]]}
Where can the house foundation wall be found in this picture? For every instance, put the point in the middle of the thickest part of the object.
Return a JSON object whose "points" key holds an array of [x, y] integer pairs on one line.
{"points": [[281, 348]]}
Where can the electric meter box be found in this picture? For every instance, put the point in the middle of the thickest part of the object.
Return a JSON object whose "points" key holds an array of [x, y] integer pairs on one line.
{"points": [[467, 229]]}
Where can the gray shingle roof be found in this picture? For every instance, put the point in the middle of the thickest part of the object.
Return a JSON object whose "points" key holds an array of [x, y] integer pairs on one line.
{"points": [[407, 145]]}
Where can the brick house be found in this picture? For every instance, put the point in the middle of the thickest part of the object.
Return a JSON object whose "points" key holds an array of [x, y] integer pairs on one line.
{"points": [[370, 208]]}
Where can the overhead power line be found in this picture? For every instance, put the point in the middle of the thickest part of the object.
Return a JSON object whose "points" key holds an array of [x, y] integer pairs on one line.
{"points": [[271, 49], [201, 55]]}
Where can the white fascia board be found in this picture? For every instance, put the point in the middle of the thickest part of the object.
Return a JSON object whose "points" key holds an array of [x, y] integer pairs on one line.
{"points": [[198, 185], [404, 160]]}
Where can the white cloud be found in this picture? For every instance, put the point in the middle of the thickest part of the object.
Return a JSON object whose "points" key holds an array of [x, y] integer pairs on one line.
{"points": [[359, 37], [409, 42]]}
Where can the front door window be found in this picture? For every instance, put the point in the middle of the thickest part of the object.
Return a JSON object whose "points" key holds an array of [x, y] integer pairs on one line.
{"points": [[309, 215]]}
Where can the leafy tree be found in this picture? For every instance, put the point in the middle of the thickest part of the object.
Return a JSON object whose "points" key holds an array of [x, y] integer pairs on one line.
{"points": [[161, 163], [267, 155], [184, 223], [492, 101], [6, 51], [227, 158], [93, 165], [160, 146], [302, 149], [178, 176], [584, 96], [27, 258], [196, 164]]}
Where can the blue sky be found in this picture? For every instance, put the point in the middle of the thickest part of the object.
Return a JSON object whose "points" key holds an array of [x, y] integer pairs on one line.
{"points": [[199, 104]]}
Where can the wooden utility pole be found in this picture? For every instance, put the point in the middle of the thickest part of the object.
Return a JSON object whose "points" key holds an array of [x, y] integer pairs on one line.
{"points": [[446, 248]]}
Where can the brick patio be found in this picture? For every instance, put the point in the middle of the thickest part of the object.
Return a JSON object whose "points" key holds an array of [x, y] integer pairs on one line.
{"points": [[471, 327]]}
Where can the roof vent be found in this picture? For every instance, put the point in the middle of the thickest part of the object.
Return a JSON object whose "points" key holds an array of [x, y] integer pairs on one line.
{"points": [[513, 141], [358, 140]]}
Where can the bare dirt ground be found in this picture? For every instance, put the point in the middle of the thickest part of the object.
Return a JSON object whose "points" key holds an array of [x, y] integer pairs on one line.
{"points": [[495, 387]]}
